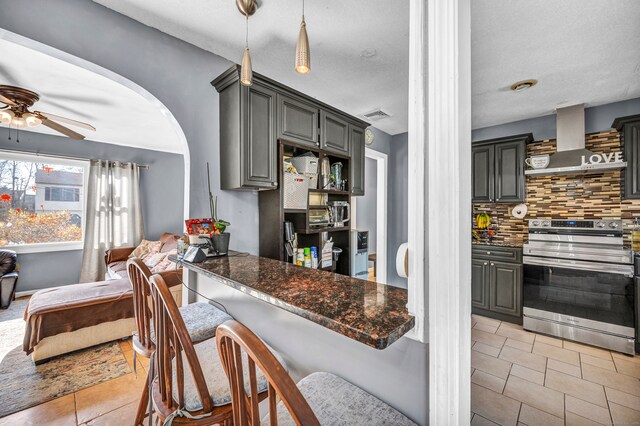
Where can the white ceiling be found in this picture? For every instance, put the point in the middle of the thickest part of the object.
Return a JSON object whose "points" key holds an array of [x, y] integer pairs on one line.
{"points": [[579, 50], [75, 92], [338, 33]]}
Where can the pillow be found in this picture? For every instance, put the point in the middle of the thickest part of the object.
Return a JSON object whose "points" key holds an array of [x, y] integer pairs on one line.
{"points": [[152, 259], [165, 264], [145, 248]]}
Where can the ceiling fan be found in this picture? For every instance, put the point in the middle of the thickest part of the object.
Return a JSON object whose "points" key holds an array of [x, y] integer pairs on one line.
{"points": [[16, 113]]}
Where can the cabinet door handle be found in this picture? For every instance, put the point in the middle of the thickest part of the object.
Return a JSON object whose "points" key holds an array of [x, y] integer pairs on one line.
{"points": [[485, 263], [492, 264], [488, 252]]}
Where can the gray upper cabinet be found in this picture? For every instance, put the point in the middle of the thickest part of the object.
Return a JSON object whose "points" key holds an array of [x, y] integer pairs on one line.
{"points": [[253, 119], [297, 121], [509, 176], [356, 136], [482, 172], [334, 133], [259, 144], [498, 169], [629, 128]]}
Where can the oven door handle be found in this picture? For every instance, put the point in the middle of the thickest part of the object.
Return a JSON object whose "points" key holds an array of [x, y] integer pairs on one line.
{"points": [[609, 268]]}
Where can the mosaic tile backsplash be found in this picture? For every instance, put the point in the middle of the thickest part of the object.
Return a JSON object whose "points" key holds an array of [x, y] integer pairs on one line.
{"points": [[592, 196]]}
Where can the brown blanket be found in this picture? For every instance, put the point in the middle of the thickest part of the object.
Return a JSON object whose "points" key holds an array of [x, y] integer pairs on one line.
{"points": [[73, 307]]}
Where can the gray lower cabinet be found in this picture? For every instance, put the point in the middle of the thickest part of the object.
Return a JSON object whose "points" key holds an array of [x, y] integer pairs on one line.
{"points": [[334, 133], [298, 121], [356, 180], [629, 128], [496, 282], [498, 169], [480, 283], [505, 288]]}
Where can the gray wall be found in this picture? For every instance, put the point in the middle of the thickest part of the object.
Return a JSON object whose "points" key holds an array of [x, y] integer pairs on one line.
{"points": [[177, 73], [396, 147], [161, 189], [366, 212], [597, 119]]}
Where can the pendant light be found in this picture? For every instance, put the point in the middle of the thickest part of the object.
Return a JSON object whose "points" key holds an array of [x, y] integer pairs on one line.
{"points": [[303, 55], [247, 8]]}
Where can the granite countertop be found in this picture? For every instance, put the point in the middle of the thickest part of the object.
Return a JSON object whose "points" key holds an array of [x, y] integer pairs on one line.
{"points": [[497, 244], [371, 313]]}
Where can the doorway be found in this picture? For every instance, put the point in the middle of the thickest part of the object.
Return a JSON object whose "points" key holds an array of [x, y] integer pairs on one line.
{"points": [[371, 213]]}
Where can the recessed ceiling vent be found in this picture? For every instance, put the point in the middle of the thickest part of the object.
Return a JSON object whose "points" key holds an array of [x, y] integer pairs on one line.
{"points": [[376, 114]]}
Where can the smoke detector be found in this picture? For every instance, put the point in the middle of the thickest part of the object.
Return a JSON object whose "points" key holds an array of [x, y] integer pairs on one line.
{"points": [[376, 114]]}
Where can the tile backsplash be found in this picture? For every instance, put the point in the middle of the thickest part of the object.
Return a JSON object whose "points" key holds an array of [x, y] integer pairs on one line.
{"points": [[592, 196]]}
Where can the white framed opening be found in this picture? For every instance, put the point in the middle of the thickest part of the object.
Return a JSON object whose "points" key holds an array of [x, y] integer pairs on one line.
{"points": [[382, 169], [382, 164]]}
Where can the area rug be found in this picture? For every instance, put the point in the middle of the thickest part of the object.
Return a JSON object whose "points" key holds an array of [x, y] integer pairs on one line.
{"points": [[23, 384]]}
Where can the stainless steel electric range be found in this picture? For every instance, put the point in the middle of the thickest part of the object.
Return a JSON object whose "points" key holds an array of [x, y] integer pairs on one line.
{"points": [[578, 282]]}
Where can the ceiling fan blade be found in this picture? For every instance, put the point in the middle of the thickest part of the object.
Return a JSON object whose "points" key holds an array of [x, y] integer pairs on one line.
{"points": [[60, 128], [7, 101], [66, 120]]}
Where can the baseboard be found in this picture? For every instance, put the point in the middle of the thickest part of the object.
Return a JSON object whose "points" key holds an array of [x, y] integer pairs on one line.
{"points": [[27, 293]]}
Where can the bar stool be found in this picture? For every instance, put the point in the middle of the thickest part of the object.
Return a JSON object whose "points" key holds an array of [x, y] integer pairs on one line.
{"points": [[318, 399], [201, 321], [191, 386]]}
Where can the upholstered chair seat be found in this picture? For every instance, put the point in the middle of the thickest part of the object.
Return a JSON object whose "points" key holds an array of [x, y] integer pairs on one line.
{"points": [[215, 377], [335, 401]]}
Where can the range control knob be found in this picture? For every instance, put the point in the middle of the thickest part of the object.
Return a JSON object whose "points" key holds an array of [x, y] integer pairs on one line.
{"points": [[536, 223], [600, 224], [613, 225], [546, 223]]}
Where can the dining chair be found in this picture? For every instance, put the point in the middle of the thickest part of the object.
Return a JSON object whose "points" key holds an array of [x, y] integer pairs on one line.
{"points": [[318, 399], [201, 321], [191, 386]]}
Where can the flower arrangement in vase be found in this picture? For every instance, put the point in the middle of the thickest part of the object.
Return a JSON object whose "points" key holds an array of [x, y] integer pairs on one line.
{"points": [[219, 238]]}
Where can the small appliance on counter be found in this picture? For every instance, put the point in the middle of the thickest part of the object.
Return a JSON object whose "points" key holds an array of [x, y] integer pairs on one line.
{"points": [[360, 254], [340, 212]]}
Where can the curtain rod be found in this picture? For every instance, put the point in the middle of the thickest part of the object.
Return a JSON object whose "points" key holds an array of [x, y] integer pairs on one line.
{"points": [[64, 157]]}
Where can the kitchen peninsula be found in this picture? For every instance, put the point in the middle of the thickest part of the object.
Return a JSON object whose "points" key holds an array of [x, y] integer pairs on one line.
{"points": [[321, 321]]}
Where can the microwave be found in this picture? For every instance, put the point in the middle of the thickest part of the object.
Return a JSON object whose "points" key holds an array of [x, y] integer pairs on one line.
{"points": [[319, 216]]}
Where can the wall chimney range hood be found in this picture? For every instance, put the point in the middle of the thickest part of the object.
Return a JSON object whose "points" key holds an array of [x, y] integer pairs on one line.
{"points": [[571, 157]]}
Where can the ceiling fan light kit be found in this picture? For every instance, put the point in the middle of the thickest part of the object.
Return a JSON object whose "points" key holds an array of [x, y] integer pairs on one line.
{"points": [[303, 53], [16, 113]]}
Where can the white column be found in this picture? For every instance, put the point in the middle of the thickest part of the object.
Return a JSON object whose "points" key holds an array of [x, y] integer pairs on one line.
{"points": [[440, 200]]}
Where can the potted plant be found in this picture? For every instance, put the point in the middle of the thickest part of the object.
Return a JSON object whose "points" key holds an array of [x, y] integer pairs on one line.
{"points": [[219, 238]]}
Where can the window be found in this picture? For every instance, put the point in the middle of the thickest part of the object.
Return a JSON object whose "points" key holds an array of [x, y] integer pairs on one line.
{"points": [[42, 205], [61, 194]]}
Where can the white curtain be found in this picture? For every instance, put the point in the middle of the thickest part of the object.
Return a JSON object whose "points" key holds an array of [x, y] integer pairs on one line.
{"points": [[114, 214]]}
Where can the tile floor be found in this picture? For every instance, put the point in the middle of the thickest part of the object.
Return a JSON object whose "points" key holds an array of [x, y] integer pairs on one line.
{"points": [[110, 403], [518, 378], [522, 378]]}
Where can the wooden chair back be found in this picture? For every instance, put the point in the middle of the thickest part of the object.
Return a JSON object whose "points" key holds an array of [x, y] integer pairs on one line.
{"points": [[172, 341], [232, 338], [139, 275]]}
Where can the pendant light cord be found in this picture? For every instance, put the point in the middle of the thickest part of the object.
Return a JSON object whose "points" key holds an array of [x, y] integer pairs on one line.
{"points": [[246, 41], [303, 10]]}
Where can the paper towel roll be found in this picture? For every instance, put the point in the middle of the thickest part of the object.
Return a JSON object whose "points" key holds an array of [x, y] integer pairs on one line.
{"points": [[402, 260]]}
